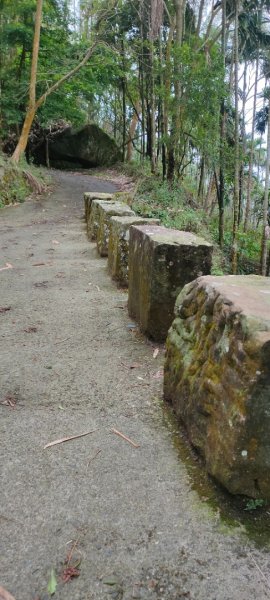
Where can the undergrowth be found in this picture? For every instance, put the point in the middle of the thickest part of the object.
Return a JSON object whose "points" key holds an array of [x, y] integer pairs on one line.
{"points": [[174, 205], [17, 182]]}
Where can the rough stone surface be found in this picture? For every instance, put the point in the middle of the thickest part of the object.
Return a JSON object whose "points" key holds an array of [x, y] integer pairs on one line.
{"points": [[217, 376], [105, 212], [89, 146], [88, 199], [161, 262], [118, 249], [93, 218]]}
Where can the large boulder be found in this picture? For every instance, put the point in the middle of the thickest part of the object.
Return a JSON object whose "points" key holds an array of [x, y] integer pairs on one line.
{"points": [[89, 146], [217, 377]]}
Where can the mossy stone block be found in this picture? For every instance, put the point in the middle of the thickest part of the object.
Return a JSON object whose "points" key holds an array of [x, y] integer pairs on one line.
{"points": [[94, 217], [118, 249], [161, 262], [105, 212], [88, 199], [217, 377]]}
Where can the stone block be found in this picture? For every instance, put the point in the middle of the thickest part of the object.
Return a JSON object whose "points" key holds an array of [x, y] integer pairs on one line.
{"points": [[217, 377], [161, 262], [88, 199], [118, 249], [93, 218], [105, 212]]}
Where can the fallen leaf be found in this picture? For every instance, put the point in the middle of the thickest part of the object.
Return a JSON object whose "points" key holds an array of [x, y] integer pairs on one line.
{"points": [[135, 366], [38, 264], [55, 242], [124, 437], [155, 353], [158, 374], [8, 266], [111, 580], [30, 329], [68, 438], [9, 401], [4, 595], [4, 309], [52, 585], [41, 284], [69, 573]]}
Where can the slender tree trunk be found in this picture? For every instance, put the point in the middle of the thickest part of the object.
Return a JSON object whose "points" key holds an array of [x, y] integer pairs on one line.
{"points": [[201, 180], [132, 128], [33, 107], [201, 7], [266, 202], [152, 109], [31, 110], [244, 146], [251, 156], [222, 137], [236, 142], [176, 120], [123, 85], [141, 76]]}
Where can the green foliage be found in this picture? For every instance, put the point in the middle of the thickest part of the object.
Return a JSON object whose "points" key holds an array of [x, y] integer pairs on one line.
{"points": [[254, 504], [15, 183], [52, 585]]}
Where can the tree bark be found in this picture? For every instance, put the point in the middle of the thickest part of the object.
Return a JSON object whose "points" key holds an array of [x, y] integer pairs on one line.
{"points": [[132, 128], [251, 156], [222, 137], [30, 113], [266, 202], [236, 142]]}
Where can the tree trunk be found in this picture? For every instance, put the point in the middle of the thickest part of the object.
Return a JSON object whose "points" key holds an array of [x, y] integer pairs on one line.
{"points": [[265, 202], [22, 143], [31, 110], [201, 180], [176, 119], [236, 142], [251, 156], [222, 137], [198, 28], [131, 132], [244, 146]]}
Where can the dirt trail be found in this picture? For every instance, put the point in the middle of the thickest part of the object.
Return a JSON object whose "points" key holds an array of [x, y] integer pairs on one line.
{"points": [[67, 348]]}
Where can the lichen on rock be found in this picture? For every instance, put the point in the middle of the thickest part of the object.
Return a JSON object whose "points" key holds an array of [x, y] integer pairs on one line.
{"points": [[118, 250], [217, 377], [104, 214], [161, 262]]}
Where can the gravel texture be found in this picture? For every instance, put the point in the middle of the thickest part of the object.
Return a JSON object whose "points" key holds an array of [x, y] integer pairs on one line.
{"points": [[72, 361]]}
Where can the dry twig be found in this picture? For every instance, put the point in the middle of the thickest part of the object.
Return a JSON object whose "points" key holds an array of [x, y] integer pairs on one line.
{"points": [[124, 437]]}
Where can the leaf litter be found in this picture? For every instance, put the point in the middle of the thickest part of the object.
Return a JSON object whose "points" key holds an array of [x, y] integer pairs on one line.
{"points": [[5, 595], [68, 438], [8, 266]]}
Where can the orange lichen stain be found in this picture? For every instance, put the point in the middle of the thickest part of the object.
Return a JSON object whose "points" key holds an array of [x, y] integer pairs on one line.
{"points": [[252, 448]]}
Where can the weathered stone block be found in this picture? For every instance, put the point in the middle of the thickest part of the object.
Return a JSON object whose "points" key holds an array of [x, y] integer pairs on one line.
{"points": [[217, 377], [105, 212], [93, 218], [118, 249], [88, 199], [161, 262]]}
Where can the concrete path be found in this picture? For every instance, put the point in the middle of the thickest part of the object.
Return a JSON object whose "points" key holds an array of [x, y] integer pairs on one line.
{"points": [[126, 520]]}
